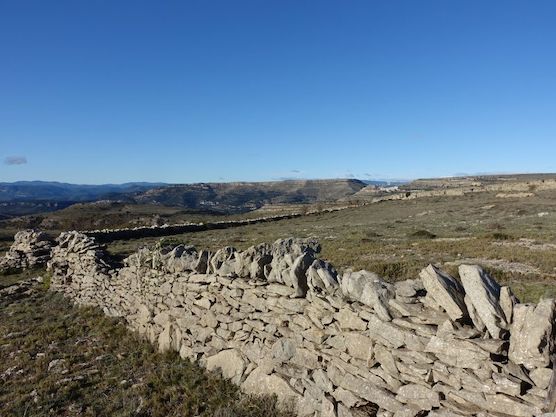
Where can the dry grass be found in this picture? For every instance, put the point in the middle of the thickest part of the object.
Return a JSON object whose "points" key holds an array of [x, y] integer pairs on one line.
{"points": [[397, 239], [103, 369]]}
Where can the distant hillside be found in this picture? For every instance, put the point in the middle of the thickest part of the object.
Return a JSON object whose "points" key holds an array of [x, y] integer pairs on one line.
{"points": [[474, 181], [244, 196], [59, 191], [31, 197]]}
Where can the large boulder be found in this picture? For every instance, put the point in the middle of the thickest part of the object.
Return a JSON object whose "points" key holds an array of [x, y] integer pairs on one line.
{"points": [[446, 291], [532, 334], [483, 293]]}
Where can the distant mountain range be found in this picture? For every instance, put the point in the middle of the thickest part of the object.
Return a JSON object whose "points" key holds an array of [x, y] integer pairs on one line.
{"points": [[243, 196], [29, 197], [59, 191]]}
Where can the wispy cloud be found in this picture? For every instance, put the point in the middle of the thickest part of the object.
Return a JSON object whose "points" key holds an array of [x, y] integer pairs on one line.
{"points": [[296, 171], [15, 160]]}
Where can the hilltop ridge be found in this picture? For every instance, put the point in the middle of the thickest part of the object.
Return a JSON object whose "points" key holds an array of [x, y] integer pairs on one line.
{"points": [[244, 196]]}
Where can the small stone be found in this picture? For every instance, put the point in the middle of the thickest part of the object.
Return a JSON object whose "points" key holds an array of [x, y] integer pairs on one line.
{"points": [[541, 377], [507, 302], [283, 350], [419, 396], [322, 381], [348, 320], [358, 345], [57, 366], [346, 397]]}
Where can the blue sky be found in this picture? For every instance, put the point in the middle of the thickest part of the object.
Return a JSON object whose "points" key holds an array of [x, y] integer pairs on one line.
{"points": [[187, 91]]}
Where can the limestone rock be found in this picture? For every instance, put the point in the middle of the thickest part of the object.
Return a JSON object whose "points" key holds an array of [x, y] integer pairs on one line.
{"points": [[386, 360], [418, 395], [322, 381], [409, 288], [348, 320], [57, 366], [258, 382], [458, 353], [359, 346], [223, 262], [346, 397], [445, 290], [180, 259], [367, 288], [327, 408], [501, 403], [541, 377], [283, 350], [532, 334], [290, 260], [484, 296], [230, 363], [252, 261], [322, 277], [507, 302], [364, 389]]}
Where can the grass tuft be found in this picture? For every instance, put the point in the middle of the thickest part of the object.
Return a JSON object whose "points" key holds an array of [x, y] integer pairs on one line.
{"points": [[103, 369], [423, 234]]}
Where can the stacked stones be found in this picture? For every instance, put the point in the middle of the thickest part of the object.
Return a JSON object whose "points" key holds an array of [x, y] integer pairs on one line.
{"points": [[31, 248], [275, 319], [81, 266]]}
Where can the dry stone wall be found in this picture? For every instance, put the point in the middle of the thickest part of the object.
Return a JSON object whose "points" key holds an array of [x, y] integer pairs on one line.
{"points": [[31, 248], [109, 235], [275, 319]]}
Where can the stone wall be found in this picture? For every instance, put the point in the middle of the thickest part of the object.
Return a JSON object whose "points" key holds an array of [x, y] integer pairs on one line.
{"points": [[276, 319], [31, 248], [108, 235]]}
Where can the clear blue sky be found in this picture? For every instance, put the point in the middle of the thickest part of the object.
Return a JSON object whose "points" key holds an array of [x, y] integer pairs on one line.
{"points": [[186, 91]]}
